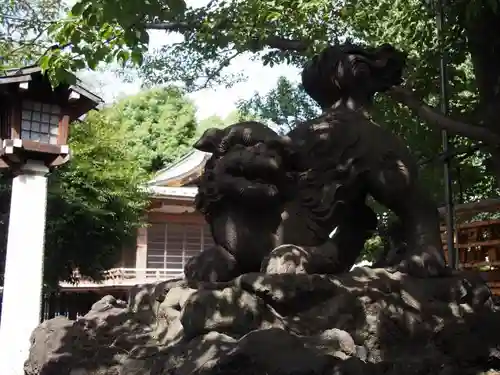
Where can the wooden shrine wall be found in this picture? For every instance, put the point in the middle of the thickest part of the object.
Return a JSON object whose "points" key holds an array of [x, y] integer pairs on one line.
{"points": [[478, 245]]}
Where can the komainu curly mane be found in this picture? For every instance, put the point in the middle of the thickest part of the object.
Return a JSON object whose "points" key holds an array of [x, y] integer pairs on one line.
{"points": [[208, 192], [252, 176], [332, 162], [242, 164]]}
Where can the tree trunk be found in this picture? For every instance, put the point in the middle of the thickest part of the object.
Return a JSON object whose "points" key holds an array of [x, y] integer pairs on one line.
{"points": [[483, 39]]}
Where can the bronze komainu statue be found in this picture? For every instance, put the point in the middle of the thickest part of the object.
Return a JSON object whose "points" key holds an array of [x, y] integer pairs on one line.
{"points": [[349, 76], [261, 190], [255, 200]]}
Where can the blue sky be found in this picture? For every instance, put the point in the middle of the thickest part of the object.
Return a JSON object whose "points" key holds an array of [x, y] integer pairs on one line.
{"points": [[217, 101]]}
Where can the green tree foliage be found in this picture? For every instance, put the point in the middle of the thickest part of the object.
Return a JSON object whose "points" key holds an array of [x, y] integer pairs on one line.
{"points": [[216, 33], [160, 125], [216, 121], [95, 203], [283, 106], [105, 30], [24, 26]]}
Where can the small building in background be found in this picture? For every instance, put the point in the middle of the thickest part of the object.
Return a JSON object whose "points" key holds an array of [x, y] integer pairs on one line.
{"points": [[477, 239]]}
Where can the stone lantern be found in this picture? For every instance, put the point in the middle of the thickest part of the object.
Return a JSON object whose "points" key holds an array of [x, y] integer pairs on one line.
{"points": [[34, 127]]}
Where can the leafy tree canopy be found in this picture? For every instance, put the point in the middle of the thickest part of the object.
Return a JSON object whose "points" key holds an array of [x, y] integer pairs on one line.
{"points": [[160, 125], [211, 37], [95, 202], [24, 27], [283, 106], [215, 32]]}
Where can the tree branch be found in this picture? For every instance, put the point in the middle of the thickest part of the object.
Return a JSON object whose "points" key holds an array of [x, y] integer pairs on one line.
{"points": [[170, 26], [455, 153], [284, 44], [21, 19], [217, 71], [25, 44], [275, 42], [431, 115]]}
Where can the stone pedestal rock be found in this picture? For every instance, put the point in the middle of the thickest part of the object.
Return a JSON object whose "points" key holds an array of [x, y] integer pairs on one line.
{"points": [[368, 321]]}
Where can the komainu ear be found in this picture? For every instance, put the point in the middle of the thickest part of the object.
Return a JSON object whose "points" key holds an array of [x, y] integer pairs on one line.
{"points": [[210, 141]]}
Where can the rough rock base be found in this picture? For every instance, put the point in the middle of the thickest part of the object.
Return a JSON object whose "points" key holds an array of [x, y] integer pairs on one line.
{"points": [[368, 321]]}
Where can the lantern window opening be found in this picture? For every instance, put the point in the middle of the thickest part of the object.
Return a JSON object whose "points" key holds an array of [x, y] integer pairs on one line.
{"points": [[40, 121]]}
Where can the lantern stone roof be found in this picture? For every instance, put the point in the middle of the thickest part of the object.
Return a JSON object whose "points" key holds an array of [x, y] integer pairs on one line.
{"points": [[83, 99]]}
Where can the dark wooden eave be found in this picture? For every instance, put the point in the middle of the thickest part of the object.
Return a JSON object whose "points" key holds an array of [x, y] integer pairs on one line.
{"points": [[84, 104]]}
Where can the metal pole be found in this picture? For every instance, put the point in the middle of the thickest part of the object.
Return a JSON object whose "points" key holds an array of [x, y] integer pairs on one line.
{"points": [[448, 188]]}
